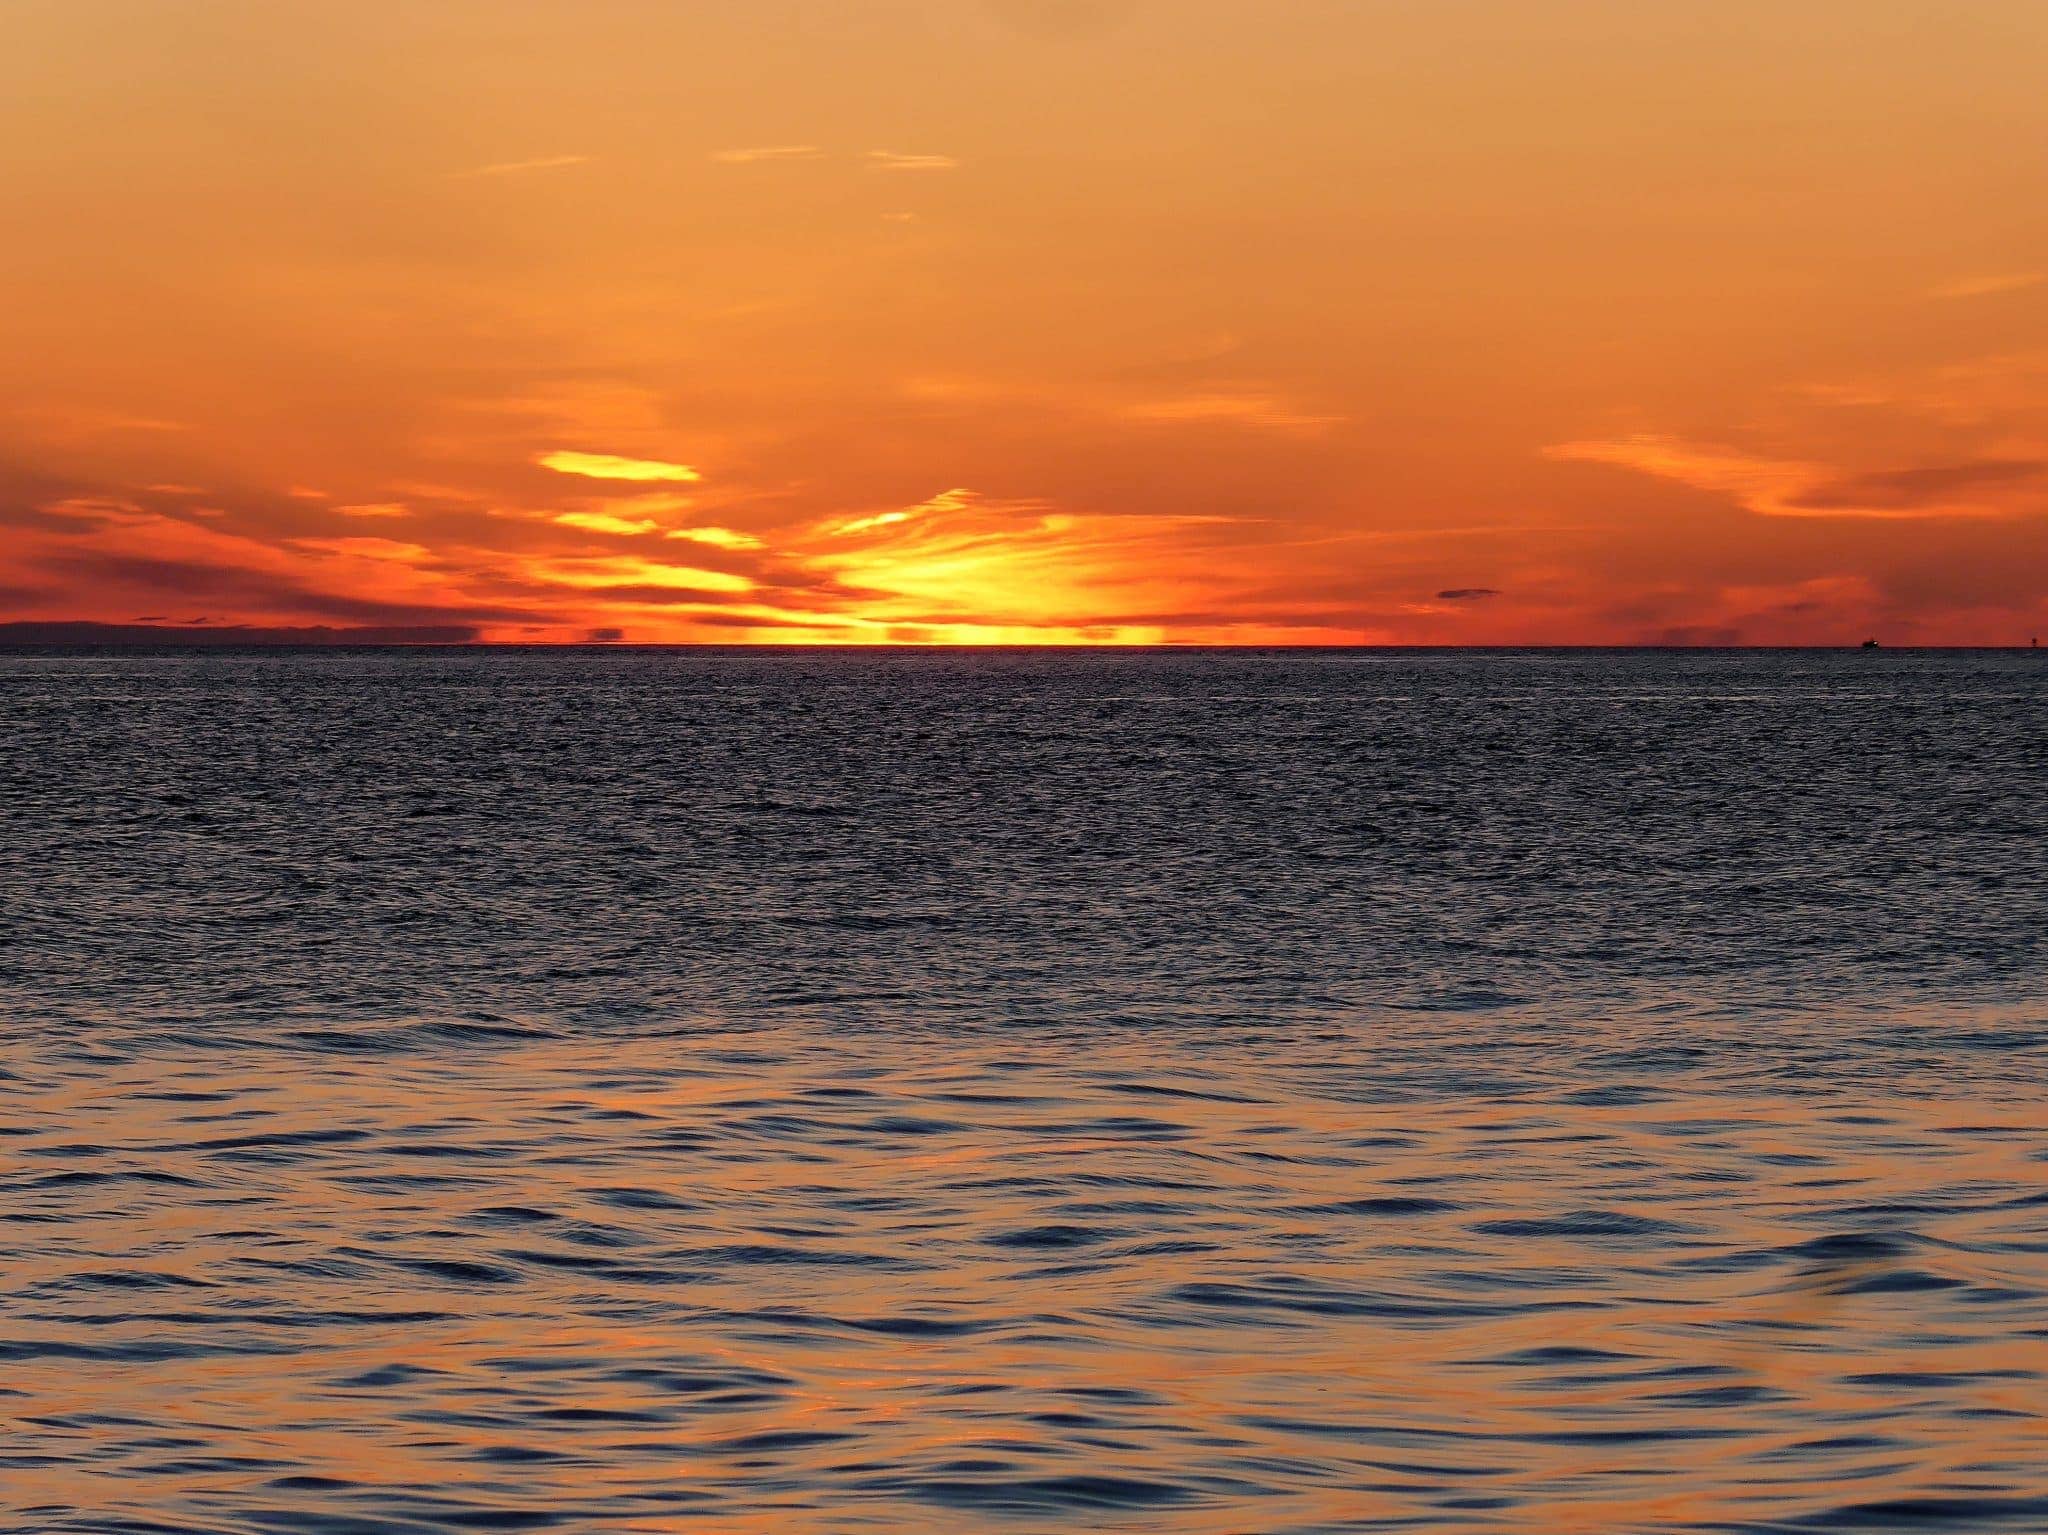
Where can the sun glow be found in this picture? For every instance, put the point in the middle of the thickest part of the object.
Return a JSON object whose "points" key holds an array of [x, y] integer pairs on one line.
{"points": [[923, 362]]}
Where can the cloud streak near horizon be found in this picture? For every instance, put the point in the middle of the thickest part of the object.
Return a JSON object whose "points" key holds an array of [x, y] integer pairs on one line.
{"points": [[521, 167], [1028, 321]]}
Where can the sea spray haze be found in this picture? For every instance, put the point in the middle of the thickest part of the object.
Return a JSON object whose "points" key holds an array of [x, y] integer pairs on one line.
{"points": [[1180, 1092]]}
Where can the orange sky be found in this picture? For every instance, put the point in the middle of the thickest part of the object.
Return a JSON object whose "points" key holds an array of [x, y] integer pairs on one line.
{"points": [[1300, 321]]}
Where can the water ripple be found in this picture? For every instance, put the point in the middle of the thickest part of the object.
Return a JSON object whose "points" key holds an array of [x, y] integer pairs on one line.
{"points": [[784, 1278], [1568, 1094]]}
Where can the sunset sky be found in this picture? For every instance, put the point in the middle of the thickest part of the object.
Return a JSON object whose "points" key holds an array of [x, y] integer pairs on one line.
{"points": [[1263, 321]]}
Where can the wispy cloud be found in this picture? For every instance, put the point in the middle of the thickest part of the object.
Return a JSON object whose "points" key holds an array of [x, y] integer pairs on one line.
{"points": [[1983, 287], [767, 152], [869, 524], [1790, 488], [1908, 490], [374, 509], [87, 422], [1243, 409], [520, 167], [620, 574], [160, 631], [1467, 593], [717, 538], [610, 466], [128, 554], [369, 549], [604, 522], [945, 501], [889, 160]]}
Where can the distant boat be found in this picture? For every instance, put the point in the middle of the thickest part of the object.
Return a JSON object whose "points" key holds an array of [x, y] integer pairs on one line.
{"points": [[1870, 645]]}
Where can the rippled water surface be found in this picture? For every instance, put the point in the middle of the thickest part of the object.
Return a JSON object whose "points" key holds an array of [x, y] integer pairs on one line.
{"points": [[679, 1091]]}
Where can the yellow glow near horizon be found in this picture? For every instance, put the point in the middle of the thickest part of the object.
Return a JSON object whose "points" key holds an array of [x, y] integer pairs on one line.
{"points": [[1478, 323]]}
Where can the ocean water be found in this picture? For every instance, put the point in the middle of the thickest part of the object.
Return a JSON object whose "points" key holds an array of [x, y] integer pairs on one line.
{"points": [[1218, 1093]]}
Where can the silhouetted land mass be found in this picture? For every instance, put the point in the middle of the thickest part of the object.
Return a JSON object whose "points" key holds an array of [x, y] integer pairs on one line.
{"points": [[83, 632]]}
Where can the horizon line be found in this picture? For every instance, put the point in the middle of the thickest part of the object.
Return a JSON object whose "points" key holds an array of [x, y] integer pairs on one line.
{"points": [[225, 642]]}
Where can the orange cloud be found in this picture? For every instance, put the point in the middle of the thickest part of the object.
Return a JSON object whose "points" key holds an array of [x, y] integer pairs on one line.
{"points": [[1780, 488], [623, 571], [887, 160], [717, 538], [1983, 287], [944, 501], [604, 522], [370, 549], [1260, 410], [610, 466], [520, 167], [767, 153]]}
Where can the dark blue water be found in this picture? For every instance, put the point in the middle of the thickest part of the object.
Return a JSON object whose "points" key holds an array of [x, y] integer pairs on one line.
{"points": [[1192, 1092], [1015, 838]]}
